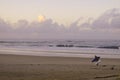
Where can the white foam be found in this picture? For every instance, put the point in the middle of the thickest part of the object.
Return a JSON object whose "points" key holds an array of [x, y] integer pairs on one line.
{"points": [[57, 52]]}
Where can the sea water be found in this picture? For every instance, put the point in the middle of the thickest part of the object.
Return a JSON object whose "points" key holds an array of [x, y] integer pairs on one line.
{"points": [[62, 48]]}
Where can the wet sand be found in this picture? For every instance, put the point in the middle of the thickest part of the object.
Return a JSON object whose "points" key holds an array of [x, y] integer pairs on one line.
{"points": [[18, 67]]}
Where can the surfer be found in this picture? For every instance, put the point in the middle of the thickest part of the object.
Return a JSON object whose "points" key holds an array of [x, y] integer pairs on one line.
{"points": [[96, 60]]}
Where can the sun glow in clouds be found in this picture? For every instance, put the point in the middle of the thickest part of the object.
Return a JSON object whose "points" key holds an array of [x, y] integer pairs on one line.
{"points": [[41, 18]]}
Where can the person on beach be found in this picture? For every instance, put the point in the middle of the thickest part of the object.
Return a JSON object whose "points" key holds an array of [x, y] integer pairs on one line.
{"points": [[96, 60]]}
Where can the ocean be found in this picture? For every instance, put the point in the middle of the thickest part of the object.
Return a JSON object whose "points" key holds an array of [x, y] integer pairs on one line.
{"points": [[62, 48]]}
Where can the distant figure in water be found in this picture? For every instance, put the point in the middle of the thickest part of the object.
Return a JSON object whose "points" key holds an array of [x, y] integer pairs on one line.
{"points": [[96, 60]]}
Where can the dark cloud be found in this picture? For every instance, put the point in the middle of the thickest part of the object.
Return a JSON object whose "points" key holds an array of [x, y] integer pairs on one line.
{"points": [[105, 26]]}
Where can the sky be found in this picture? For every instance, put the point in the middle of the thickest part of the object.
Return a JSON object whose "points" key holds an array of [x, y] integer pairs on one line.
{"points": [[71, 19]]}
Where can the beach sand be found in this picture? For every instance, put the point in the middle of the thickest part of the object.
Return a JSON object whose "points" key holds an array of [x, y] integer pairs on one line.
{"points": [[19, 67]]}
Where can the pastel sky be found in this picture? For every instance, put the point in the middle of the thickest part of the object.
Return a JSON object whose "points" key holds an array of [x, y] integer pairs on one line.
{"points": [[60, 19], [62, 11]]}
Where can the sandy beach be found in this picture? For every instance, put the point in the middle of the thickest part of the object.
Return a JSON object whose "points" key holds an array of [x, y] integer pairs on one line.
{"points": [[21, 67], [59, 39]]}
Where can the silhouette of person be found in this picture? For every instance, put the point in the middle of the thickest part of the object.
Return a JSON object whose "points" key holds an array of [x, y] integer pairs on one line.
{"points": [[96, 60]]}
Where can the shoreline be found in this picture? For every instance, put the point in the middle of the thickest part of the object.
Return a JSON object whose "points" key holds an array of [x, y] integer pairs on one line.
{"points": [[58, 53]]}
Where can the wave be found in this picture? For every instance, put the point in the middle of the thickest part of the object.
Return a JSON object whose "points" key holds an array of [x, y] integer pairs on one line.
{"points": [[63, 44], [110, 47]]}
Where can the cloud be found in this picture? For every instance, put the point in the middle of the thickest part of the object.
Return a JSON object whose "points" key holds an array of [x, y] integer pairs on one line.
{"points": [[4, 26], [108, 20], [106, 26]]}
